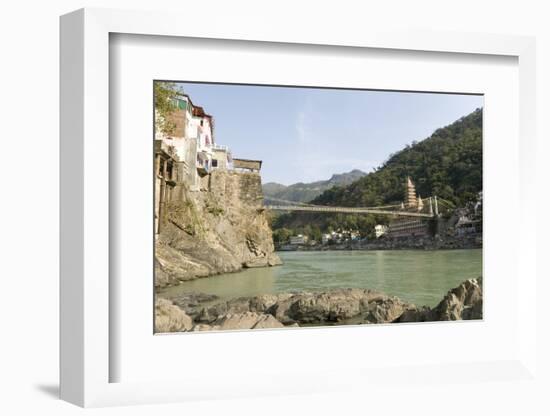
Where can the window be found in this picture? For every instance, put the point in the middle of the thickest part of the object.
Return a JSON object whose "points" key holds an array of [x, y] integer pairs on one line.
{"points": [[214, 163]]}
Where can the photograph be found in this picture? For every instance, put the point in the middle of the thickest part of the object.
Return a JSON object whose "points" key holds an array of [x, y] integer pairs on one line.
{"points": [[268, 208], [291, 207]]}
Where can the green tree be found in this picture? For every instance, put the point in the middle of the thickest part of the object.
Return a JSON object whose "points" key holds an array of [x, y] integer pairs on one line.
{"points": [[164, 96], [281, 235]]}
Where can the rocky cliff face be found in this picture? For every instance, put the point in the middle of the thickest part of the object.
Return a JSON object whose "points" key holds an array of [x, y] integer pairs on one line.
{"points": [[220, 229]]}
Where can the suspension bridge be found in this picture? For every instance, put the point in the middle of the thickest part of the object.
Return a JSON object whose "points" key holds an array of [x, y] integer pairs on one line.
{"points": [[421, 208]]}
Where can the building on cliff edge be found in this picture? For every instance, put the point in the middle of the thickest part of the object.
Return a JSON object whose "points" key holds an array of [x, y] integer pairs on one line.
{"points": [[186, 157]]}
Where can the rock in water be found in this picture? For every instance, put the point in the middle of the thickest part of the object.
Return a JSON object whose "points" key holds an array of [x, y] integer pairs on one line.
{"points": [[464, 302], [259, 262], [274, 260], [170, 318], [364, 305]]}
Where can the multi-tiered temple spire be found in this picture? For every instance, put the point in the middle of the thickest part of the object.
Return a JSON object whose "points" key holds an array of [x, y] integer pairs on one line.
{"points": [[410, 194], [412, 199]]}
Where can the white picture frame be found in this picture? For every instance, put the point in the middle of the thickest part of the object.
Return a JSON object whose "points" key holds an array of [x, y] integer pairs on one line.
{"points": [[86, 356]]}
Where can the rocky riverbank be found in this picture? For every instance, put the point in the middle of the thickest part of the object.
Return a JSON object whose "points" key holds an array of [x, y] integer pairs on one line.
{"points": [[201, 312], [219, 229]]}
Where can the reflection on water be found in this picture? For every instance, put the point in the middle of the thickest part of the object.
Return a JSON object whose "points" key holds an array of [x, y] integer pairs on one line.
{"points": [[420, 277]]}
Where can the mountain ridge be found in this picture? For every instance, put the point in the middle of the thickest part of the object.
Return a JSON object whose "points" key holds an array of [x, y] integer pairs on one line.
{"points": [[306, 191]]}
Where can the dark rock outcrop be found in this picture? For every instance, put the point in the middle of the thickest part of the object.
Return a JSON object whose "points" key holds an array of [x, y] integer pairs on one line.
{"points": [[193, 303], [464, 302]]}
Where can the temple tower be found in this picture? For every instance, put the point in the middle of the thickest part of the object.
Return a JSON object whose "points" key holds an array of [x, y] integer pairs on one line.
{"points": [[410, 194], [420, 203]]}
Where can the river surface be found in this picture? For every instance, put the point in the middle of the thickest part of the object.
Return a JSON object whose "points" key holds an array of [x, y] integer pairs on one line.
{"points": [[416, 276]]}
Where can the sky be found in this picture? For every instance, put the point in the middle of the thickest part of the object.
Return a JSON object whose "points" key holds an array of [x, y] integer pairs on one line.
{"points": [[308, 134]]}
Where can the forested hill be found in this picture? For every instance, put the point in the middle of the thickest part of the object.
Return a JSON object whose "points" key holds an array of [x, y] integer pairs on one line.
{"points": [[447, 164]]}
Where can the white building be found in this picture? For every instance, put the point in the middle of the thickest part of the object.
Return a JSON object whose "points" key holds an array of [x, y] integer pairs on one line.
{"points": [[298, 240], [192, 138], [380, 230], [221, 157]]}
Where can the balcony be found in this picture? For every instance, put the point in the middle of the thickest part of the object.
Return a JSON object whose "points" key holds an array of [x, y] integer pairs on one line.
{"points": [[203, 164]]}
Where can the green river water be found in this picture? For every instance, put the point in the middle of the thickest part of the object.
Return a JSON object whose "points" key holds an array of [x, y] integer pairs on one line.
{"points": [[417, 276]]}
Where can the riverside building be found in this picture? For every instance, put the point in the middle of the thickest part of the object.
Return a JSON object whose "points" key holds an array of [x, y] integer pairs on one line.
{"points": [[409, 227], [193, 140], [380, 230], [187, 155]]}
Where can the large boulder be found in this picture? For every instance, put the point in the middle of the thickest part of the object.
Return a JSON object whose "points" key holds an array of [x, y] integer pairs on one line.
{"points": [[464, 302], [259, 304], [170, 318], [362, 305], [415, 314], [323, 307], [385, 310], [193, 303], [246, 320], [211, 313]]}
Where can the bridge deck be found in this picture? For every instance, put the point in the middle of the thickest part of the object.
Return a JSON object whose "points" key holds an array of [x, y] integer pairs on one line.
{"points": [[346, 210]]}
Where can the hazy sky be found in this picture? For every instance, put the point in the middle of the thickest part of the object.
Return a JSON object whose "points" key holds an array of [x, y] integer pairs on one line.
{"points": [[307, 134]]}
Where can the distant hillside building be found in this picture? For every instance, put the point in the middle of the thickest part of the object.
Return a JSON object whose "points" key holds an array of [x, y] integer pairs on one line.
{"points": [[466, 226], [407, 227], [380, 230], [298, 240]]}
